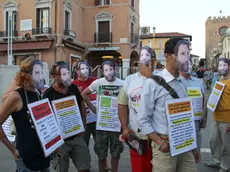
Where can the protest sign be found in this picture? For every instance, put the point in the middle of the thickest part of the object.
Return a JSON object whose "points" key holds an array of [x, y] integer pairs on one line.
{"points": [[181, 126], [6, 129], [46, 126], [90, 116], [194, 93], [215, 96], [68, 116]]}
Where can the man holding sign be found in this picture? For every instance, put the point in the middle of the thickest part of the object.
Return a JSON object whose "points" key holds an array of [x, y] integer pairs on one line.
{"points": [[66, 109], [154, 114], [107, 89], [28, 154], [195, 91], [220, 130]]}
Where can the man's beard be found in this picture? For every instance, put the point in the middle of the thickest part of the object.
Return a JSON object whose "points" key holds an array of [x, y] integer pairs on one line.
{"points": [[38, 84], [184, 67], [84, 75], [66, 83], [223, 72], [109, 78]]}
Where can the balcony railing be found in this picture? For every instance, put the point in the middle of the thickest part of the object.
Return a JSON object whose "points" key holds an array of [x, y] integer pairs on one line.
{"points": [[41, 31], [134, 38], [5, 33], [100, 37], [69, 33]]}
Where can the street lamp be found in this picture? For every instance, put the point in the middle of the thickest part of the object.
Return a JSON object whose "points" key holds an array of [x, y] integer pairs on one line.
{"points": [[10, 30]]}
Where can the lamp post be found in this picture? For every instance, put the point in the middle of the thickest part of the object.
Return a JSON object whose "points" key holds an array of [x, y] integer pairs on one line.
{"points": [[9, 31]]}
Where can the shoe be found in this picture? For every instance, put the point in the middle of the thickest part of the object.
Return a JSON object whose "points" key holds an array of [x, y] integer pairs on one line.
{"points": [[212, 165]]}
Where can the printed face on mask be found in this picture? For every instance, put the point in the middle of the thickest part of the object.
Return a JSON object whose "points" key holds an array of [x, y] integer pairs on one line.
{"points": [[145, 57], [37, 77], [223, 68], [183, 58], [84, 70], [65, 77], [109, 73]]}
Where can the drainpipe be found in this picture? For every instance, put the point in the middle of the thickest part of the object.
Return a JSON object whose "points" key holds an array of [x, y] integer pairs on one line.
{"points": [[55, 33]]}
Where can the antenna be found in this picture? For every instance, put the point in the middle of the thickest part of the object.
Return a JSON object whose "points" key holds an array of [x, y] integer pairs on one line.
{"points": [[220, 13]]}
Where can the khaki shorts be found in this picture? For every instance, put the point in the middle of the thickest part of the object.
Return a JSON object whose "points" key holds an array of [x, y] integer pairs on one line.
{"points": [[103, 140], [75, 149]]}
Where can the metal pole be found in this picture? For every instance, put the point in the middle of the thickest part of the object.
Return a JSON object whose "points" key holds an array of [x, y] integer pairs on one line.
{"points": [[10, 29]]}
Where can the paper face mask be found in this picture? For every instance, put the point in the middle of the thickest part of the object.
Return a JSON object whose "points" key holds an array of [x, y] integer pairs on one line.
{"points": [[84, 70], [37, 77], [108, 72], [223, 68], [183, 58], [65, 77], [145, 57]]}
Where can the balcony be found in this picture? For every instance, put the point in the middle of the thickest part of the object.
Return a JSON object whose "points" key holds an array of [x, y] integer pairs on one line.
{"points": [[134, 38], [45, 31], [4, 34], [69, 34], [103, 37]]}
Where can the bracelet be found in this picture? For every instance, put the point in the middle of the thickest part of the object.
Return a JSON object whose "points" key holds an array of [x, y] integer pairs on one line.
{"points": [[161, 145]]}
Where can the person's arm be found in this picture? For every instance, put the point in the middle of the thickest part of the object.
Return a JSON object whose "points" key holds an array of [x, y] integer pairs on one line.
{"points": [[83, 112], [145, 114], [10, 105], [123, 112], [85, 94]]}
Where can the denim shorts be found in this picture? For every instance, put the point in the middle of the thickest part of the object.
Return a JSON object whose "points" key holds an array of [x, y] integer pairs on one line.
{"points": [[21, 167]]}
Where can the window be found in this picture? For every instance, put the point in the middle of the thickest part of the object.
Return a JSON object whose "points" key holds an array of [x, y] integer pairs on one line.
{"points": [[141, 44], [102, 2], [215, 32], [160, 43], [14, 20], [225, 55], [228, 55], [43, 17], [149, 43], [67, 20], [132, 3], [229, 42], [103, 31]]}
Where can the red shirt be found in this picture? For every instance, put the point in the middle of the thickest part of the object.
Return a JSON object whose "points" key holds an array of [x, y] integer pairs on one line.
{"points": [[82, 85]]}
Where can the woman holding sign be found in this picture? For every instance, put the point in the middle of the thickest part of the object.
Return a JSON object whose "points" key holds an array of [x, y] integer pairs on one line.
{"points": [[28, 153]]}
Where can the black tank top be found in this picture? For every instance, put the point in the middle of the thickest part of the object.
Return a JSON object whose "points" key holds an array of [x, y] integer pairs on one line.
{"points": [[27, 142]]}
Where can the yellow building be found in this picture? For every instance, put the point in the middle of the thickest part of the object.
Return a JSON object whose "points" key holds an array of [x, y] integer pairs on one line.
{"points": [[157, 41]]}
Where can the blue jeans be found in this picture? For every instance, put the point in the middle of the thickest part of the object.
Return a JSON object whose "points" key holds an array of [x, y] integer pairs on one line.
{"points": [[21, 167]]}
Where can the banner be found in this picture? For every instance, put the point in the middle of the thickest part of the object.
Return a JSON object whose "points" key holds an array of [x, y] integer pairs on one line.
{"points": [[194, 93], [107, 108], [68, 116], [90, 116], [181, 126], [215, 96], [46, 126], [6, 129]]}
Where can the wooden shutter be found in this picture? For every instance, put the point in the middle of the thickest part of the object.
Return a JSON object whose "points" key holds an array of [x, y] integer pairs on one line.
{"points": [[96, 2], [107, 2]]}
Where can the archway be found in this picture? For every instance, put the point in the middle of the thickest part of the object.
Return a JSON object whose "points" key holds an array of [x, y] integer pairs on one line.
{"points": [[133, 58]]}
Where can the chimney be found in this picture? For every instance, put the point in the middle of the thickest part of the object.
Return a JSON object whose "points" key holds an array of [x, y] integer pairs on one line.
{"points": [[154, 31]]}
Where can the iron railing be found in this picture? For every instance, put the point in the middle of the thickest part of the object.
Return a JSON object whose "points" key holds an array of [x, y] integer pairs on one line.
{"points": [[69, 33], [5, 33], [41, 31], [100, 37]]}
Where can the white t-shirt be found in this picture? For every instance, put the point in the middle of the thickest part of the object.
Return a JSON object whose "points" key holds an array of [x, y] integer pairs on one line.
{"points": [[132, 87], [102, 81]]}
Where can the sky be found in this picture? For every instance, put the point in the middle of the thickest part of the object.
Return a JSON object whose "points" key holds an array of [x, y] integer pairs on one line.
{"points": [[184, 16]]}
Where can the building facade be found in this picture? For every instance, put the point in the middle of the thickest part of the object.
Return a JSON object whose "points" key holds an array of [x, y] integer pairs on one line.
{"points": [[215, 28], [157, 41], [69, 30], [225, 41]]}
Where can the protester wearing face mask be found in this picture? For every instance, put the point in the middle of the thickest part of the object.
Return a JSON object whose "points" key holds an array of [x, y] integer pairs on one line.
{"points": [[183, 53], [28, 153], [104, 139], [128, 103], [220, 129], [75, 146]]}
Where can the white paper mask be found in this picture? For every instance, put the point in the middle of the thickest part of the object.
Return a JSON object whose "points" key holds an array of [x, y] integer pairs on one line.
{"points": [[84, 70], [37, 76], [65, 77], [223, 68], [183, 58], [108, 72]]}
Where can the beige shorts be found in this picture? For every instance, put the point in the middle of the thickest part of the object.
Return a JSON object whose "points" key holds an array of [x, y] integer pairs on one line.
{"points": [[77, 150]]}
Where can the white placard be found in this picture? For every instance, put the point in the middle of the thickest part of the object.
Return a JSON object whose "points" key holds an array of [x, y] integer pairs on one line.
{"points": [[194, 93], [181, 126], [26, 25], [46, 126], [68, 116], [90, 116], [215, 96], [108, 119], [6, 129]]}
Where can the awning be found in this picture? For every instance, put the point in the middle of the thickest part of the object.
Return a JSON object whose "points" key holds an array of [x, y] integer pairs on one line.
{"points": [[35, 45]]}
